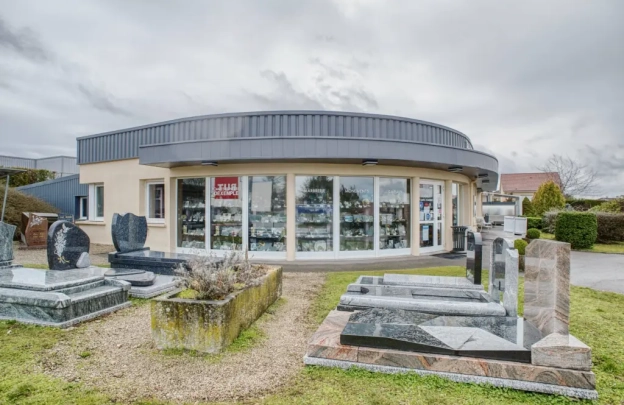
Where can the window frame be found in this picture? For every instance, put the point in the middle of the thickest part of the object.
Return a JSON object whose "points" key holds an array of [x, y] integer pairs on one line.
{"points": [[93, 190], [83, 215], [148, 200]]}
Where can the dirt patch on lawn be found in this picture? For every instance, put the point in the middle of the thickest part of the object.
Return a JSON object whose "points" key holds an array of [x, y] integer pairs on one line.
{"points": [[116, 355]]}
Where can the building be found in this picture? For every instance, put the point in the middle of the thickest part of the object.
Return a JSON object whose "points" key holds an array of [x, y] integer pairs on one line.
{"points": [[525, 184], [288, 185], [60, 165], [65, 193]]}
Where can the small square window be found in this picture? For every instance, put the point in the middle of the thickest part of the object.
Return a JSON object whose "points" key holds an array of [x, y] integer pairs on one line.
{"points": [[156, 202]]}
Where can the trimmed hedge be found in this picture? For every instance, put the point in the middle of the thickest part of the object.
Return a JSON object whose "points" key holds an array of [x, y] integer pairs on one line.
{"points": [[520, 245], [579, 229], [610, 227], [533, 233], [535, 222], [583, 204]]}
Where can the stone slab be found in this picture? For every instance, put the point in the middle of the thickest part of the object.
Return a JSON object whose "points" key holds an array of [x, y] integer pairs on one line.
{"points": [[122, 272], [577, 383], [74, 321], [50, 280], [590, 394], [430, 281], [161, 285], [7, 232], [497, 266], [35, 234], [66, 244], [129, 232], [510, 293], [547, 286], [474, 257], [563, 351]]}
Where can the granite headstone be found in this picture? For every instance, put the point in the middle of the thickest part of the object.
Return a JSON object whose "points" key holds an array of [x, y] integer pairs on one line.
{"points": [[474, 257], [497, 267], [129, 232], [6, 243], [66, 245], [35, 234]]}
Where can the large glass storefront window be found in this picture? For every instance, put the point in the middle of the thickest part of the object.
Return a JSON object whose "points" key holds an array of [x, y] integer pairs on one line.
{"points": [[226, 213], [357, 210], [191, 212], [267, 213], [315, 205], [426, 215], [394, 213]]}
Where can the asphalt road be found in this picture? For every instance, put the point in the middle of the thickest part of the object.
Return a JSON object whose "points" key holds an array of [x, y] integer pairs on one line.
{"points": [[599, 271]]}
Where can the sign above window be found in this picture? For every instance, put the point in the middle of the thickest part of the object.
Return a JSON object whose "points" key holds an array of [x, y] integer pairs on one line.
{"points": [[225, 188]]}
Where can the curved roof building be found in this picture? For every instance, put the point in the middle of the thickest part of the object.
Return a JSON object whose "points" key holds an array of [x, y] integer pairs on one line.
{"points": [[288, 184]]}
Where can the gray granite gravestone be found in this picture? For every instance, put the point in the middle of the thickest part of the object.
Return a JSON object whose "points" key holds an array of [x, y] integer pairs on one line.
{"points": [[474, 257], [547, 286], [497, 267], [66, 245], [510, 293], [129, 232], [6, 244]]}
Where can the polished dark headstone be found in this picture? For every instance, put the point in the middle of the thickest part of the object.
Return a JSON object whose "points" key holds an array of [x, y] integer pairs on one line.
{"points": [[129, 232], [491, 337], [66, 244], [474, 257], [7, 232]]}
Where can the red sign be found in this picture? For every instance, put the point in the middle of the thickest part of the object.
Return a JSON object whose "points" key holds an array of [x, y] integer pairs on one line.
{"points": [[225, 188]]}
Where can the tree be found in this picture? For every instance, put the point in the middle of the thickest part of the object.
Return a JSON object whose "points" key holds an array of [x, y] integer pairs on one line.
{"points": [[576, 179], [548, 197], [30, 176], [527, 207]]}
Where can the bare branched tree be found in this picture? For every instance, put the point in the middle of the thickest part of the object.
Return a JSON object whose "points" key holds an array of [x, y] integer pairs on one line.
{"points": [[576, 179]]}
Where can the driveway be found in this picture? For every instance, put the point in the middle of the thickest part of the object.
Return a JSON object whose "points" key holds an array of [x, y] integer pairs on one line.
{"points": [[599, 271]]}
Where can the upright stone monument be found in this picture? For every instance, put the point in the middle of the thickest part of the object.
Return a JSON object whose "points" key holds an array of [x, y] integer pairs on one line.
{"points": [[503, 276], [6, 245], [129, 232], [36, 231], [474, 257], [67, 246], [547, 286]]}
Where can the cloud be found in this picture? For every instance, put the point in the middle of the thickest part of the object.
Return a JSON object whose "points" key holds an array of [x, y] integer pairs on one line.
{"points": [[525, 79]]}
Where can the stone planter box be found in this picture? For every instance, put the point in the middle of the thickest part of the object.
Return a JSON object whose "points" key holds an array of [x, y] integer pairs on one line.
{"points": [[211, 326]]}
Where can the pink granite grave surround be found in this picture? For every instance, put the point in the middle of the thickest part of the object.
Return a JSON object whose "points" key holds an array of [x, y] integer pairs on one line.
{"points": [[547, 286], [325, 344]]}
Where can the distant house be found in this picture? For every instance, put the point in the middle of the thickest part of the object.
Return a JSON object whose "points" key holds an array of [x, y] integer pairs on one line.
{"points": [[525, 184]]}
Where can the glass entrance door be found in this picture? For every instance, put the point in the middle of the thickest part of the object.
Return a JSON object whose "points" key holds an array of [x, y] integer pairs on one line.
{"points": [[431, 208]]}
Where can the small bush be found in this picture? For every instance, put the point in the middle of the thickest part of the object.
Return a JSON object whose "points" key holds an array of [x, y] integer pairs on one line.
{"points": [[613, 206], [527, 207], [547, 197], [520, 245], [533, 233], [534, 222], [549, 221], [583, 204], [610, 227], [212, 280], [579, 229]]}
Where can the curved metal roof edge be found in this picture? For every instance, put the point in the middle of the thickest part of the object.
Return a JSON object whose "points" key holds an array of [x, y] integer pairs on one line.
{"points": [[278, 112], [321, 137]]}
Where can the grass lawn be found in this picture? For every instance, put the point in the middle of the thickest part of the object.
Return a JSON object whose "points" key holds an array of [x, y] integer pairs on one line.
{"points": [[597, 319], [615, 247]]}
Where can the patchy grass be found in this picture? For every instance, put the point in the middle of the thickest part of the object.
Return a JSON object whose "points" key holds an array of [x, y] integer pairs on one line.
{"points": [[614, 248], [597, 318]]}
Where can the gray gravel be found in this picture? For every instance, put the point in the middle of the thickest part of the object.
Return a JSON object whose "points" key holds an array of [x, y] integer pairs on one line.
{"points": [[123, 362], [98, 254]]}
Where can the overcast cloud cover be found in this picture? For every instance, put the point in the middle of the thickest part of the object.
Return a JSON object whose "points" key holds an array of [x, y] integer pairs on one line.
{"points": [[524, 79]]}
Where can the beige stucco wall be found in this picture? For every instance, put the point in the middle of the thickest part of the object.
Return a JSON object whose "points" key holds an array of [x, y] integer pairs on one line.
{"points": [[124, 191]]}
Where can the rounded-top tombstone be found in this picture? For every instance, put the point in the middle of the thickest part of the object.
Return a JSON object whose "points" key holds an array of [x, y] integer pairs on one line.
{"points": [[129, 232], [6, 243], [66, 245], [474, 257]]}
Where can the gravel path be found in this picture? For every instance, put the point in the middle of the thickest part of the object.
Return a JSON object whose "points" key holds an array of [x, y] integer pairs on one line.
{"points": [[97, 253], [124, 363]]}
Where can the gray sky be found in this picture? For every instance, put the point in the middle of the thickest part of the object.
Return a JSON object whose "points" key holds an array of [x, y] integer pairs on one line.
{"points": [[524, 79]]}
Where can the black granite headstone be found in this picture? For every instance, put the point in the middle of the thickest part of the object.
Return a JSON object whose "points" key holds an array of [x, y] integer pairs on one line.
{"points": [[129, 232], [6, 243], [66, 243], [499, 246], [474, 257]]}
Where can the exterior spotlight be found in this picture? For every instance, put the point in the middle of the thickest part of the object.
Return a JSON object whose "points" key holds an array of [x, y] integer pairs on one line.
{"points": [[455, 169], [486, 181], [482, 175], [369, 162], [210, 164]]}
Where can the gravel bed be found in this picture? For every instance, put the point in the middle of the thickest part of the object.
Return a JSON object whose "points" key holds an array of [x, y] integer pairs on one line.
{"points": [[119, 358], [97, 253]]}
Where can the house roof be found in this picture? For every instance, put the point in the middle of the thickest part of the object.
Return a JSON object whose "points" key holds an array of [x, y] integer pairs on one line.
{"points": [[515, 182]]}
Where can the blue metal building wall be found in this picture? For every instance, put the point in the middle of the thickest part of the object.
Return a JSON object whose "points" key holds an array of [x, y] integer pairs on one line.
{"points": [[61, 192]]}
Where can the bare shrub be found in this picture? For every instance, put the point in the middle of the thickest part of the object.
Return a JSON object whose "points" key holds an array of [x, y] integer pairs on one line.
{"points": [[212, 279]]}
